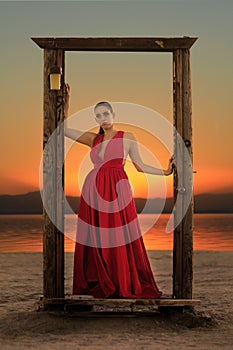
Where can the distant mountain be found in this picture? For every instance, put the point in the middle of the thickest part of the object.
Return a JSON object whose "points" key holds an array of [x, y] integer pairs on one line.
{"points": [[30, 203], [213, 203]]}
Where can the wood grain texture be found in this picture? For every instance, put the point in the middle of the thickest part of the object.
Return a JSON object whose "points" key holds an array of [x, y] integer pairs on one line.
{"points": [[126, 306], [183, 233], [53, 239], [188, 174], [115, 44], [178, 153]]}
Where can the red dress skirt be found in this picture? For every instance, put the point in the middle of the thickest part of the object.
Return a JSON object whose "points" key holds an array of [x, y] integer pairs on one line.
{"points": [[110, 259]]}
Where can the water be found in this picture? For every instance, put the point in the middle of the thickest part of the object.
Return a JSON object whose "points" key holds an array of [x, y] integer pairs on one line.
{"points": [[23, 233]]}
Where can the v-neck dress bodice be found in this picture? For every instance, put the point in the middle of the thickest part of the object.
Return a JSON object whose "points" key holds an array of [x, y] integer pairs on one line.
{"points": [[110, 259], [113, 152]]}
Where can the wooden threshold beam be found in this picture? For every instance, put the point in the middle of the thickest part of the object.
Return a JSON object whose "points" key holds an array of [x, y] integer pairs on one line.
{"points": [[138, 44], [86, 303]]}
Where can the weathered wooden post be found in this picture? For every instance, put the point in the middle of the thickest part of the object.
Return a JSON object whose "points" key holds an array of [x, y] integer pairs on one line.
{"points": [[53, 181], [183, 233]]}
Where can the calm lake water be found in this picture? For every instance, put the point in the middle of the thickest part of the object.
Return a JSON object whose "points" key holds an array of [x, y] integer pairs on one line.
{"points": [[23, 233]]}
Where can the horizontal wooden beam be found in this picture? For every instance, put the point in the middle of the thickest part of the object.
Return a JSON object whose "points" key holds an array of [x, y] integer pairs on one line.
{"points": [[139, 44], [90, 303]]}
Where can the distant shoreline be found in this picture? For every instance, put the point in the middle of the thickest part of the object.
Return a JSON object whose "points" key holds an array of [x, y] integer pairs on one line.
{"points": [[31, 203], [204, 213]]}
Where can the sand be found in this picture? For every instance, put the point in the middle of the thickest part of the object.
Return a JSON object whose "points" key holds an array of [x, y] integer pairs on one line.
{"points": [[211, 327]]}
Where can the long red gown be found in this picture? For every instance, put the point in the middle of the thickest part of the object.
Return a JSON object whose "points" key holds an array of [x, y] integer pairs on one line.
{"points": [[110, 259]]}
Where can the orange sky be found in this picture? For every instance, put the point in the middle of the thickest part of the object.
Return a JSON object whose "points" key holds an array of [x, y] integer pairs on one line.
{"points": [[143, 79]]}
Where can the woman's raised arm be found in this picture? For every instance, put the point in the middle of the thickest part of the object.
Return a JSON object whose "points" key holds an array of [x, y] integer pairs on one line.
{"points": [[86, 138], [140, 165]]}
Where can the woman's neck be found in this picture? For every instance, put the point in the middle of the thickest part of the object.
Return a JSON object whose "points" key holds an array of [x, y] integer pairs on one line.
{"points": [[109, 133]]}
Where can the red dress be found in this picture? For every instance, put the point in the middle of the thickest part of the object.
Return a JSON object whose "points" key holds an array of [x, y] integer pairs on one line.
{"points": [[110, 259]]}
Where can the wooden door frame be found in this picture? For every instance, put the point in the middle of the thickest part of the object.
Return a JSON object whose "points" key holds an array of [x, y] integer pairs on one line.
{"points": [[53, 239]]}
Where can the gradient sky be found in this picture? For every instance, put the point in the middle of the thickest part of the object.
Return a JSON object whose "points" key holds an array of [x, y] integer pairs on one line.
{"points": [[140, 78]]}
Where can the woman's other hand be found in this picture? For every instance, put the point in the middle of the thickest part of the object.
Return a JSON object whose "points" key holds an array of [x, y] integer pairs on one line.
{"points": [[170, 167], [66, 92]]}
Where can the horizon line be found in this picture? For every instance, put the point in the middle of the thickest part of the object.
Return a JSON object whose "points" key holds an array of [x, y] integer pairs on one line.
{"points": [[70, 195]]}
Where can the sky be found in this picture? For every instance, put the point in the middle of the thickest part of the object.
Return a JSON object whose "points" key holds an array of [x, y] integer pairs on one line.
{"points": [[143, 79]]}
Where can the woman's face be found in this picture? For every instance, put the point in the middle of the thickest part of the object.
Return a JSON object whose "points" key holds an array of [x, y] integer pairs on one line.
{"points": [[104, 116]]}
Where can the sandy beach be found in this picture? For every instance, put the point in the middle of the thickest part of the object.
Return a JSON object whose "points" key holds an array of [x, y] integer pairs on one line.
{"points": [[21, 327]]}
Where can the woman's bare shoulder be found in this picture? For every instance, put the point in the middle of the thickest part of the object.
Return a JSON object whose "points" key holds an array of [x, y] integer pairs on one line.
{"points": [[91, 134], [87, 138], [129, 135], [93, 137]]}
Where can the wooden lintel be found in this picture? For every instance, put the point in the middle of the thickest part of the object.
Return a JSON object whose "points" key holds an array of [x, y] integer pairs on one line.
{"points": [[116, 44]]}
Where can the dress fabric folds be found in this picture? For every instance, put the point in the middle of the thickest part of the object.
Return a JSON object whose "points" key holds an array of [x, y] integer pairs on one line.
{"points": [[110, 259]]}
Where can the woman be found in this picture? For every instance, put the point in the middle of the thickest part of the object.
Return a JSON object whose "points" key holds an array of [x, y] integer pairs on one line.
{"points": [[110, 260]]}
